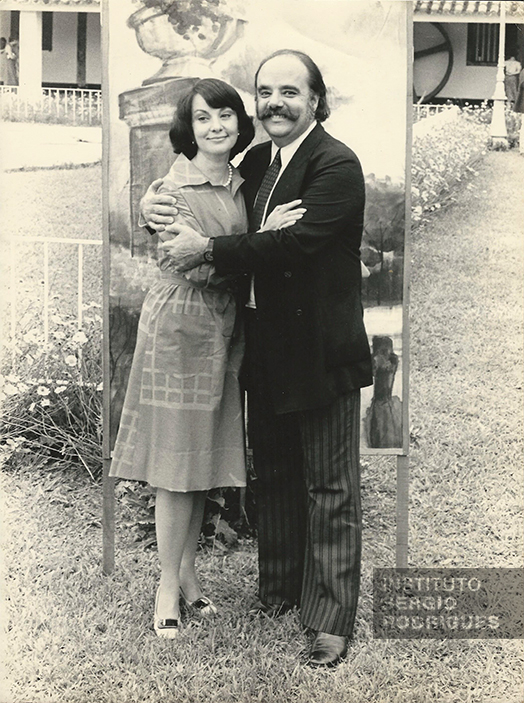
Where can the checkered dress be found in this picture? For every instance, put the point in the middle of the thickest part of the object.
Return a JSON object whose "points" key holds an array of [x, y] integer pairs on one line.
{"points": [[181, 427]]}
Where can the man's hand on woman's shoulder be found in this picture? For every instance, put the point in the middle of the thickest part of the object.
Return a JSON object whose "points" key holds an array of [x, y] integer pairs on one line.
{"points": [[157, 209]]}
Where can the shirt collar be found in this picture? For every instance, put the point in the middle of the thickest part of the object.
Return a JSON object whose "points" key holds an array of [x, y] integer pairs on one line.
{"points": [[184, 173], [287, 152]]}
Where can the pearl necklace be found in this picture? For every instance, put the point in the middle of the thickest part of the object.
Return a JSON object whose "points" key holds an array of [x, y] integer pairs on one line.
{"points": [[230, 175]]}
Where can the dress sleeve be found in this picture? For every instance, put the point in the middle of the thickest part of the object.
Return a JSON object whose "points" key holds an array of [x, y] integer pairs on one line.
{"points": [[200, 275]]}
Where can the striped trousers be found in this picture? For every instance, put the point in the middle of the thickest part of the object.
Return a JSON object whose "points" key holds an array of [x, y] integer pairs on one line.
{"points": [[308, 500]]}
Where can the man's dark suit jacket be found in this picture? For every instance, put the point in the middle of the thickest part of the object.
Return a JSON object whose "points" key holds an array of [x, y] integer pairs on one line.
{"points": [[307, 277]]}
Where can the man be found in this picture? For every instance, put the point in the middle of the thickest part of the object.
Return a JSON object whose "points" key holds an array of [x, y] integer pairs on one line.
{"points": [[3, 62], [307, 354], [512, 68]]}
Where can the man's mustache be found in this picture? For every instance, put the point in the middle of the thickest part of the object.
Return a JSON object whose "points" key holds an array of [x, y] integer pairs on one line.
{"points": [[278, 111]]}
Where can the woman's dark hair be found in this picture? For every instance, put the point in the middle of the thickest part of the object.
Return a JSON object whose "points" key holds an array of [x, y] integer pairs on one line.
{"points": [[316, 82], [217, 94]]}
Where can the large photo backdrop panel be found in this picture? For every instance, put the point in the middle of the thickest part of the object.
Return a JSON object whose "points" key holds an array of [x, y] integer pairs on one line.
{"points": [[156, 49]]}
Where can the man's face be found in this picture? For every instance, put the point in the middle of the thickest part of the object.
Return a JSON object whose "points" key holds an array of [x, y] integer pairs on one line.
{"points": [[285, 104]]}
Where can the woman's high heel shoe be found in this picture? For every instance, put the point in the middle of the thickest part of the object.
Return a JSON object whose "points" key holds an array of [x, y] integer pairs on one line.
{"points": [[168, 627], [202, 605]]}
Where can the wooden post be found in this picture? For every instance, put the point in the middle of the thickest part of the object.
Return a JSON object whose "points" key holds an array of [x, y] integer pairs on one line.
{"points": [[108, 501], [108, 519], [402, 511]]}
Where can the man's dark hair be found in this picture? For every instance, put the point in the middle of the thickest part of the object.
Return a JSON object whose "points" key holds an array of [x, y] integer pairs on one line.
{"points": [[316, 82], [217, 94]]}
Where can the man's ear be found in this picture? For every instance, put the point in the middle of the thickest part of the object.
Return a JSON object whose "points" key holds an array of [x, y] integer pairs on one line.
{"points": [[314, 100]]}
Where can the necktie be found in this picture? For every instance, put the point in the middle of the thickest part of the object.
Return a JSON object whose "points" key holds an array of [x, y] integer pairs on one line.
{"points": [[265, 189]]}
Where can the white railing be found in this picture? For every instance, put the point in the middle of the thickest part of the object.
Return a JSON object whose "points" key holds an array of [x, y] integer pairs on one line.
{"points": [[80, 243], [422, 111], [74, 106]]}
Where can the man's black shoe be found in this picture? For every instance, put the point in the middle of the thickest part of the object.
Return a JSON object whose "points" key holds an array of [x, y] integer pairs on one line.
{"points": [[270, 610], [327, 650]]}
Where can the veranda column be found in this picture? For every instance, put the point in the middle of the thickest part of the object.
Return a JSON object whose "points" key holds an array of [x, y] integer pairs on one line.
{"points": [[30, 56], [498, 131]]}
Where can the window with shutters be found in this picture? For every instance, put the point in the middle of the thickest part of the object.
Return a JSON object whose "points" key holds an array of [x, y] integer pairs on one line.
{"points": [[47, 31], [483, 44]]}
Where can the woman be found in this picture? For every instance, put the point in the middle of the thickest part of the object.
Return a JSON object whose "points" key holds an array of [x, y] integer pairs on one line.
{"points": [[182, 426]]}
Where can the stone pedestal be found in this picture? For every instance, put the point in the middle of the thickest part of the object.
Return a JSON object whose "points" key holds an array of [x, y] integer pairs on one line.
{"points": [[149, 111]]}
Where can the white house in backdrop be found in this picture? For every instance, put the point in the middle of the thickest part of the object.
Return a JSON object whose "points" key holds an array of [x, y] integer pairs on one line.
{"points": [[58, 42], [456, 45]]}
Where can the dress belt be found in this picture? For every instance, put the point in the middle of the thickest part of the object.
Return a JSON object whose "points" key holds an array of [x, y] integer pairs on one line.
{"points": [[180, 279]]}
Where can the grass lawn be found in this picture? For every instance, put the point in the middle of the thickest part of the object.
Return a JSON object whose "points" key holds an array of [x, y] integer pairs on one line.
{"points": [[64, 203], [75, 635]]}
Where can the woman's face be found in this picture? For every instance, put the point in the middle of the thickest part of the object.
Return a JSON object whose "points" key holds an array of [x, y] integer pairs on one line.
{"points": [[215, 128]]}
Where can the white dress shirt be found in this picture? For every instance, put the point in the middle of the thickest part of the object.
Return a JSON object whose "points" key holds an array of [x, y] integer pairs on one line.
{"points": [[286, 154]]}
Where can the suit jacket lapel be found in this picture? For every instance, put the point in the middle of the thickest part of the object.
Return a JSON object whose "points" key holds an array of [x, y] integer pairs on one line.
{"points": [[289, 185], [255, 173]]}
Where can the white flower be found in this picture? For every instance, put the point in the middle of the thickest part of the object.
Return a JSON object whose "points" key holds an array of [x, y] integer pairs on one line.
{"points": [[60, 389], [32, 407], [31, 336], [70, 360], [9, 389], [79, 338], [45, 402], [100, 386], [43, 390]]}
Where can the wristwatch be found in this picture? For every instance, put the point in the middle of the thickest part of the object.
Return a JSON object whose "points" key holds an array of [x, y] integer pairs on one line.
{"points": [[208, 251]]}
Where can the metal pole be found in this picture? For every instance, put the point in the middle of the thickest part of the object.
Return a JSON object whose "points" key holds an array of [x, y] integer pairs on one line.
{"points": [[498, 131], [46, 293], [13, 302], [80, 284]]}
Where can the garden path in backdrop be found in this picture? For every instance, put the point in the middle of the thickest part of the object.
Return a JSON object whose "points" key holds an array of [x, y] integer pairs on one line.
{"points": [[68, 625], [32, 145]]}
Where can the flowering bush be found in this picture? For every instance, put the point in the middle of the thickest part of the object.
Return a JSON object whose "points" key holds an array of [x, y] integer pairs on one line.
{"points": [[52, 395], [442, 156], [483, 114]]}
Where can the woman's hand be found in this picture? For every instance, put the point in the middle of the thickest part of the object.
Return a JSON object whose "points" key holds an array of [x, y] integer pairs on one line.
{"points": [[284, 216]]}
